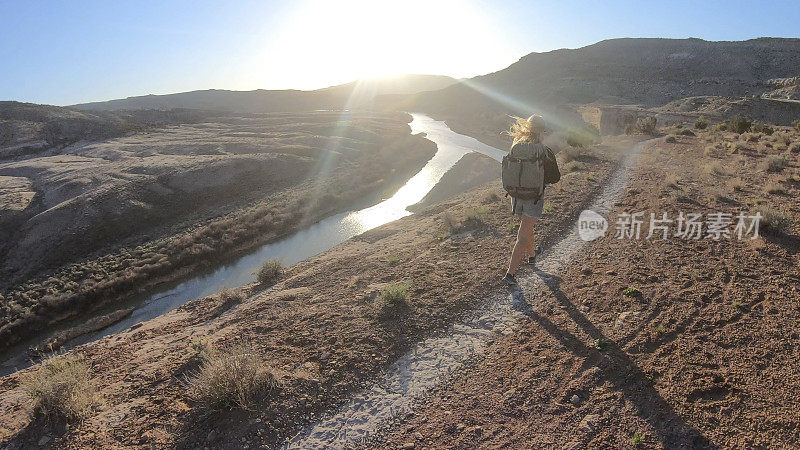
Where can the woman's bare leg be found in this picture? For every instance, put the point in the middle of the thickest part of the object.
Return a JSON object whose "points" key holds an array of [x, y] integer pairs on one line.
{"points": [[524, 243]]}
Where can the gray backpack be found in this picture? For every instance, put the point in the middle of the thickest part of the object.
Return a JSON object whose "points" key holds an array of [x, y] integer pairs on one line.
{"points": [[524, 170]]}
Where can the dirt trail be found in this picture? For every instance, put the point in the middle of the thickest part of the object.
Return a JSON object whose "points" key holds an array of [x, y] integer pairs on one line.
{"points": [[434, 360]]}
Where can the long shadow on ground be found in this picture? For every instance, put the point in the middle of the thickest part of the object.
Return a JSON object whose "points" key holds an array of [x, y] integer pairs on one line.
{"points": [[617, 368]]}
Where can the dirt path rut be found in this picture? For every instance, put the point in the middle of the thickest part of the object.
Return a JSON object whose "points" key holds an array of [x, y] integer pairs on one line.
{"points": [[433, 361]]}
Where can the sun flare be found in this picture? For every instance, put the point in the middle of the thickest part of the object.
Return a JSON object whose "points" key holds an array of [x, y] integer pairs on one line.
{"points": [[325, 43]]}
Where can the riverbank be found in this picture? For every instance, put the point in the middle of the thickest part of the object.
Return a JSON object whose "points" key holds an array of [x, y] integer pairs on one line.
{"points": [[321, 327], [108, 279]]}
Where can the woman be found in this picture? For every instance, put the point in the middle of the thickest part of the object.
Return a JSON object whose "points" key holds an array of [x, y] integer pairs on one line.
{"points": [[526, 132]]}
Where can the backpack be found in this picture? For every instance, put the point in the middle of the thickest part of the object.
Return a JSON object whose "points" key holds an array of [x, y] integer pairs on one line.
{"points": [[525, 170]]}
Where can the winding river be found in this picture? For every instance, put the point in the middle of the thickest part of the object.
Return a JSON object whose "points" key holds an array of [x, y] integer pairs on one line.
{"points": [[304, 244]]}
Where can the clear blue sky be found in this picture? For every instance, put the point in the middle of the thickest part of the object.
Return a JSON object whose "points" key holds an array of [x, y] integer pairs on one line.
{"points": [[65, 52]]}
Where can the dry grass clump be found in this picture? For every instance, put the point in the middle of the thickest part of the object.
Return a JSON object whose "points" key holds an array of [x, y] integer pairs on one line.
{"points": [[61, 388], [269, 271], [569, 154], [673, 180], [573, 166], [740, 147], [393, 301], [775, 221], [773, 163], [712, 151], [714, 168], [670, 139], [773, 187], [795, 148], [736, 185], [233, 377]]}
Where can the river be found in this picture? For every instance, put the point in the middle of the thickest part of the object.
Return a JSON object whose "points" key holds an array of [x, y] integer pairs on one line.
{"points": [[302, 245]]}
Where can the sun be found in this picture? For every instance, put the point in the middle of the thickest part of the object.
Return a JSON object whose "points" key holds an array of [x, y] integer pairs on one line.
{"points": [[329, 42]]}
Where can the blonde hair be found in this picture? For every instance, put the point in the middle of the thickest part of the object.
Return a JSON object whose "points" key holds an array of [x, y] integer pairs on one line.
{"points": [[527, 130]]}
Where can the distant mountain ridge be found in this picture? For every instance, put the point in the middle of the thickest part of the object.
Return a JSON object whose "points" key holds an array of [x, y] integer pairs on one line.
{"points": [[646, 71], [353, 94]]}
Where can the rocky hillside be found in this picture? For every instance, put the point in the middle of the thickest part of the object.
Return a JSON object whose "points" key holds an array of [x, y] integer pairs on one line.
{"points": [[650, 72]]}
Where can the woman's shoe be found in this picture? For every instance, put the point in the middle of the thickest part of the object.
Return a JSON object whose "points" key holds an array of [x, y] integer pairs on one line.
{"points": [[510, 279], [532, 259]]}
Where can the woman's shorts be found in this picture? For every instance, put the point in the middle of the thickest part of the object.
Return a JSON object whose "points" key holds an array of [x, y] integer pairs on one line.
{"points": [[527, 208]]}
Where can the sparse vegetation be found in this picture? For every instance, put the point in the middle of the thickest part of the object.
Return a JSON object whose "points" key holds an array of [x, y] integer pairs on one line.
{"points": [[637, 438], [795, 148], [269, 271], [773, 163], [660, 329], [569, 154], [61, 388], [775, 221], [646, 125], [229, 295], [473, 217], [686, 132], [736, 185], [670, 139], [598, 344], [584, 136], [739, 124], [392, 301], [572, 166], [759, 127], [701, 123], [714, 168], [393, 260], [741, 147], [632, 292], [232, 377]]}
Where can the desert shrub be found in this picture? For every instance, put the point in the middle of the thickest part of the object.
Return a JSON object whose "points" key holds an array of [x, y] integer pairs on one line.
{"points": [[773, 163], [701, 123], [61, 388], [228, 295], [722, 126], [711, 150], [740, 147], [576, 154], [773, 187], [584, 136], [739, 124], [686, 132], [752, 137], [672, 180], [646, 125], [233, 377], [775, 221], [451, 224], [632, 292], [392, 301], [714, 168], [759, 127], [573, 166], [796, 125], [736, 184], [269, 271], [670, 139], [795, 148]]}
